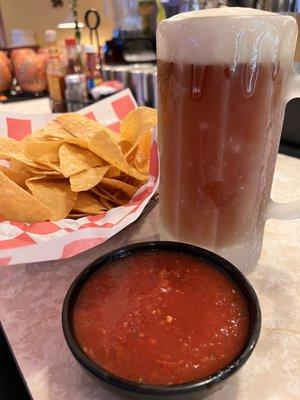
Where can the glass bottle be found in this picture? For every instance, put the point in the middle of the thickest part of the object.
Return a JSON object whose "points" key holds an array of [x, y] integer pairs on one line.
{"points": [[55, 74], [192, 5], [146, 11], [93, 74], [76, 94], [74, 62]]}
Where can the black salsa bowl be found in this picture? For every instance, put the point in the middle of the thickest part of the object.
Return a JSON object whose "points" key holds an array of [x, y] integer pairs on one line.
{"points": [[200, 388]]}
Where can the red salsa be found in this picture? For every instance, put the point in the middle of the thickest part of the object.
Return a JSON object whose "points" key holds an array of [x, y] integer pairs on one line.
{"points": [[160, 318]]}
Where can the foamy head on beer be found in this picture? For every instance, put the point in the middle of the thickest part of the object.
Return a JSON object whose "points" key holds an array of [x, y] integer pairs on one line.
{"points": [[227, 35]]}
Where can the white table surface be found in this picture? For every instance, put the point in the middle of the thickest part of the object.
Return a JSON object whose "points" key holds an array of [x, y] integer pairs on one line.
{"points": [[31, 298], [37, 106]]}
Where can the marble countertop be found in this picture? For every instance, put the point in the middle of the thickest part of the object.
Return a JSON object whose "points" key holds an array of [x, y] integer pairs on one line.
{"points": [[31, 299]]}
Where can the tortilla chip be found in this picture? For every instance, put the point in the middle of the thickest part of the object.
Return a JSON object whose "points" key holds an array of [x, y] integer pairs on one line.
{"points": [[78, 125], [20, 167], [87, 179], [47, 164], [16, 165], [74, 159], [55, 194], [19, 177], [52, 131], [102, 145], [130, 154], [15, 152], [113, 172], [142, 156], [19, 205], [11, 149], [26, 139], [46, 149], [83, 127], [75, 215], [106, 203], [107, 198], [116, 199], [87, 203], [138, 122], [112, 185], [125, 146], [132, 181], [134, 173], [100, 142], [40, 171], [81, 142]]}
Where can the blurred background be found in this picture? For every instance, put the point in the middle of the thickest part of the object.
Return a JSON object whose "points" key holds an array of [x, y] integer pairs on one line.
{"points": [[39, 15]]}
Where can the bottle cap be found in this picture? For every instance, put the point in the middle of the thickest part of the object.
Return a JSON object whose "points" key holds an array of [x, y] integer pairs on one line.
{"points": [[70, 42], [89, 49], [74, 78], [50, 35]]}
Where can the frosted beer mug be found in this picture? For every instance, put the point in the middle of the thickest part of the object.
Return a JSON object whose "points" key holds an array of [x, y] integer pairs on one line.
{"points": [[224, 76]]}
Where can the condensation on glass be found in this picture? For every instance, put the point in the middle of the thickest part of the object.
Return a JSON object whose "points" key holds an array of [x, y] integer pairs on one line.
{"points": [[224, 78]]}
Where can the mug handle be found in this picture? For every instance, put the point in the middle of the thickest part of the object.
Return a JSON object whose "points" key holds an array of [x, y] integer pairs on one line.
{"points": [[289, 210]]}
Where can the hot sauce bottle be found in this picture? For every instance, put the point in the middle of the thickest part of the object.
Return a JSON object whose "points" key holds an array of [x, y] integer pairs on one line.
{"points": [[93, 74], [74, 57]]}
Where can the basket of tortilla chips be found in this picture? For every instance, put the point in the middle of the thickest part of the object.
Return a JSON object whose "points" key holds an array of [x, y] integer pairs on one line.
{"points": [[74, 182]]}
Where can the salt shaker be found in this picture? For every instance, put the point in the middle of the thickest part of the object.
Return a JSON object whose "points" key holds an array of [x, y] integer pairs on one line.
{"points": [[76, 94]]}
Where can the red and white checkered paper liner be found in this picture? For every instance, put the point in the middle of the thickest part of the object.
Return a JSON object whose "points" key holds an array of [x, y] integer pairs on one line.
{"points": [[44, 241]]}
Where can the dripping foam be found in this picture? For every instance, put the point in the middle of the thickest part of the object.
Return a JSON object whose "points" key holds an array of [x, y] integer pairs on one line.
{"points": [[227, 35]]}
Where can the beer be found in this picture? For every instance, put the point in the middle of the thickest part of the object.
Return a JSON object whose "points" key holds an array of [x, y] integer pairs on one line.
{"points": [[221, 105]]}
